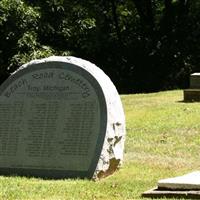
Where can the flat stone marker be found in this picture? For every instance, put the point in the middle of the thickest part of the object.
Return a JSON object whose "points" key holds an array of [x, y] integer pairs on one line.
{"points": [[186, 186], [189, 181], [191, 95], [175, 194], [60, 117]]}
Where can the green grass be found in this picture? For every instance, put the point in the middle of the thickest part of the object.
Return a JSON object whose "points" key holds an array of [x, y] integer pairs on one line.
{"points": [[163, 140]]}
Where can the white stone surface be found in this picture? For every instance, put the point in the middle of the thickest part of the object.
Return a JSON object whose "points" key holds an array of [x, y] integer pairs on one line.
{"points": [[186, 182], [112, 152], [195, 74], [113, 147]]}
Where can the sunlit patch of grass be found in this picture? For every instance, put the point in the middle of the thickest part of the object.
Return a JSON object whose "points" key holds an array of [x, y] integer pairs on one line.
{"points": [[163, 140]]}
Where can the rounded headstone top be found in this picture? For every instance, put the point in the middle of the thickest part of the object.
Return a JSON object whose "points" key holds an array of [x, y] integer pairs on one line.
{"points": [[195, 74], [64, 119]]}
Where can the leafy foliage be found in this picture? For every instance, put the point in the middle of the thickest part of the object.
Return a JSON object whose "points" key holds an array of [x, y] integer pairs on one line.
{"points": [[18, 23]]}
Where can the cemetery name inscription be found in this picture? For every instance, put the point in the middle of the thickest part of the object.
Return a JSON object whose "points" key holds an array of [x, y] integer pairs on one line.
{"points": [[50, 118]]}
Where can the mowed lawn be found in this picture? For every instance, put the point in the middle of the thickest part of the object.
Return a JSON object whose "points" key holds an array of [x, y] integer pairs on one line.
{"points": [[163, 140]]}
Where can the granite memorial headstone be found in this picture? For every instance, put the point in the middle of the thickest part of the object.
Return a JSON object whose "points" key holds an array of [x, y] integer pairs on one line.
{"points": [[60, 117]]}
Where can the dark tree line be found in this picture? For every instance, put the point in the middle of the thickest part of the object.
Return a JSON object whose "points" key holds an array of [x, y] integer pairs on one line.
{"points": [[143, 45]]}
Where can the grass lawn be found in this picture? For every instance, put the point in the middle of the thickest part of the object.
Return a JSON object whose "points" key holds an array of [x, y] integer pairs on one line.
{"points": [[163, 140]]}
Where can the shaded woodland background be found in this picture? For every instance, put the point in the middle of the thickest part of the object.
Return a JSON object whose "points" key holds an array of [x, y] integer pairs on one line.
{"points": [[143, 45]]}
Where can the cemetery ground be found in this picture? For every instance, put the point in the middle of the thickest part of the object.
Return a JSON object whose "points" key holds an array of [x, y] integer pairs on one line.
{"points": [[162, 141]]}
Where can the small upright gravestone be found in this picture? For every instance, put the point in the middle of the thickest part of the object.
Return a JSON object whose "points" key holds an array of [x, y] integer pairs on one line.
{"points": [[193, 93], [60, 117]]}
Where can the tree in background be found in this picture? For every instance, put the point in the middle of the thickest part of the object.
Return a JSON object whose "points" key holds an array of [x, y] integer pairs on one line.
{"points": [[17, 25], [20, 39], [143, 45]]}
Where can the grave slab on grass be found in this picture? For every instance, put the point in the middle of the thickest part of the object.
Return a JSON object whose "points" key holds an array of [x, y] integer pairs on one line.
{"points": [[186, 186], [179, 194], [189, 181], [191, 95]]}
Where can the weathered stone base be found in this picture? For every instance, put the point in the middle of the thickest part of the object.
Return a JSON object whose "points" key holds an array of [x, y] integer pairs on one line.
{"points": [[181, 194], [191, 95], [186, 186]]}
